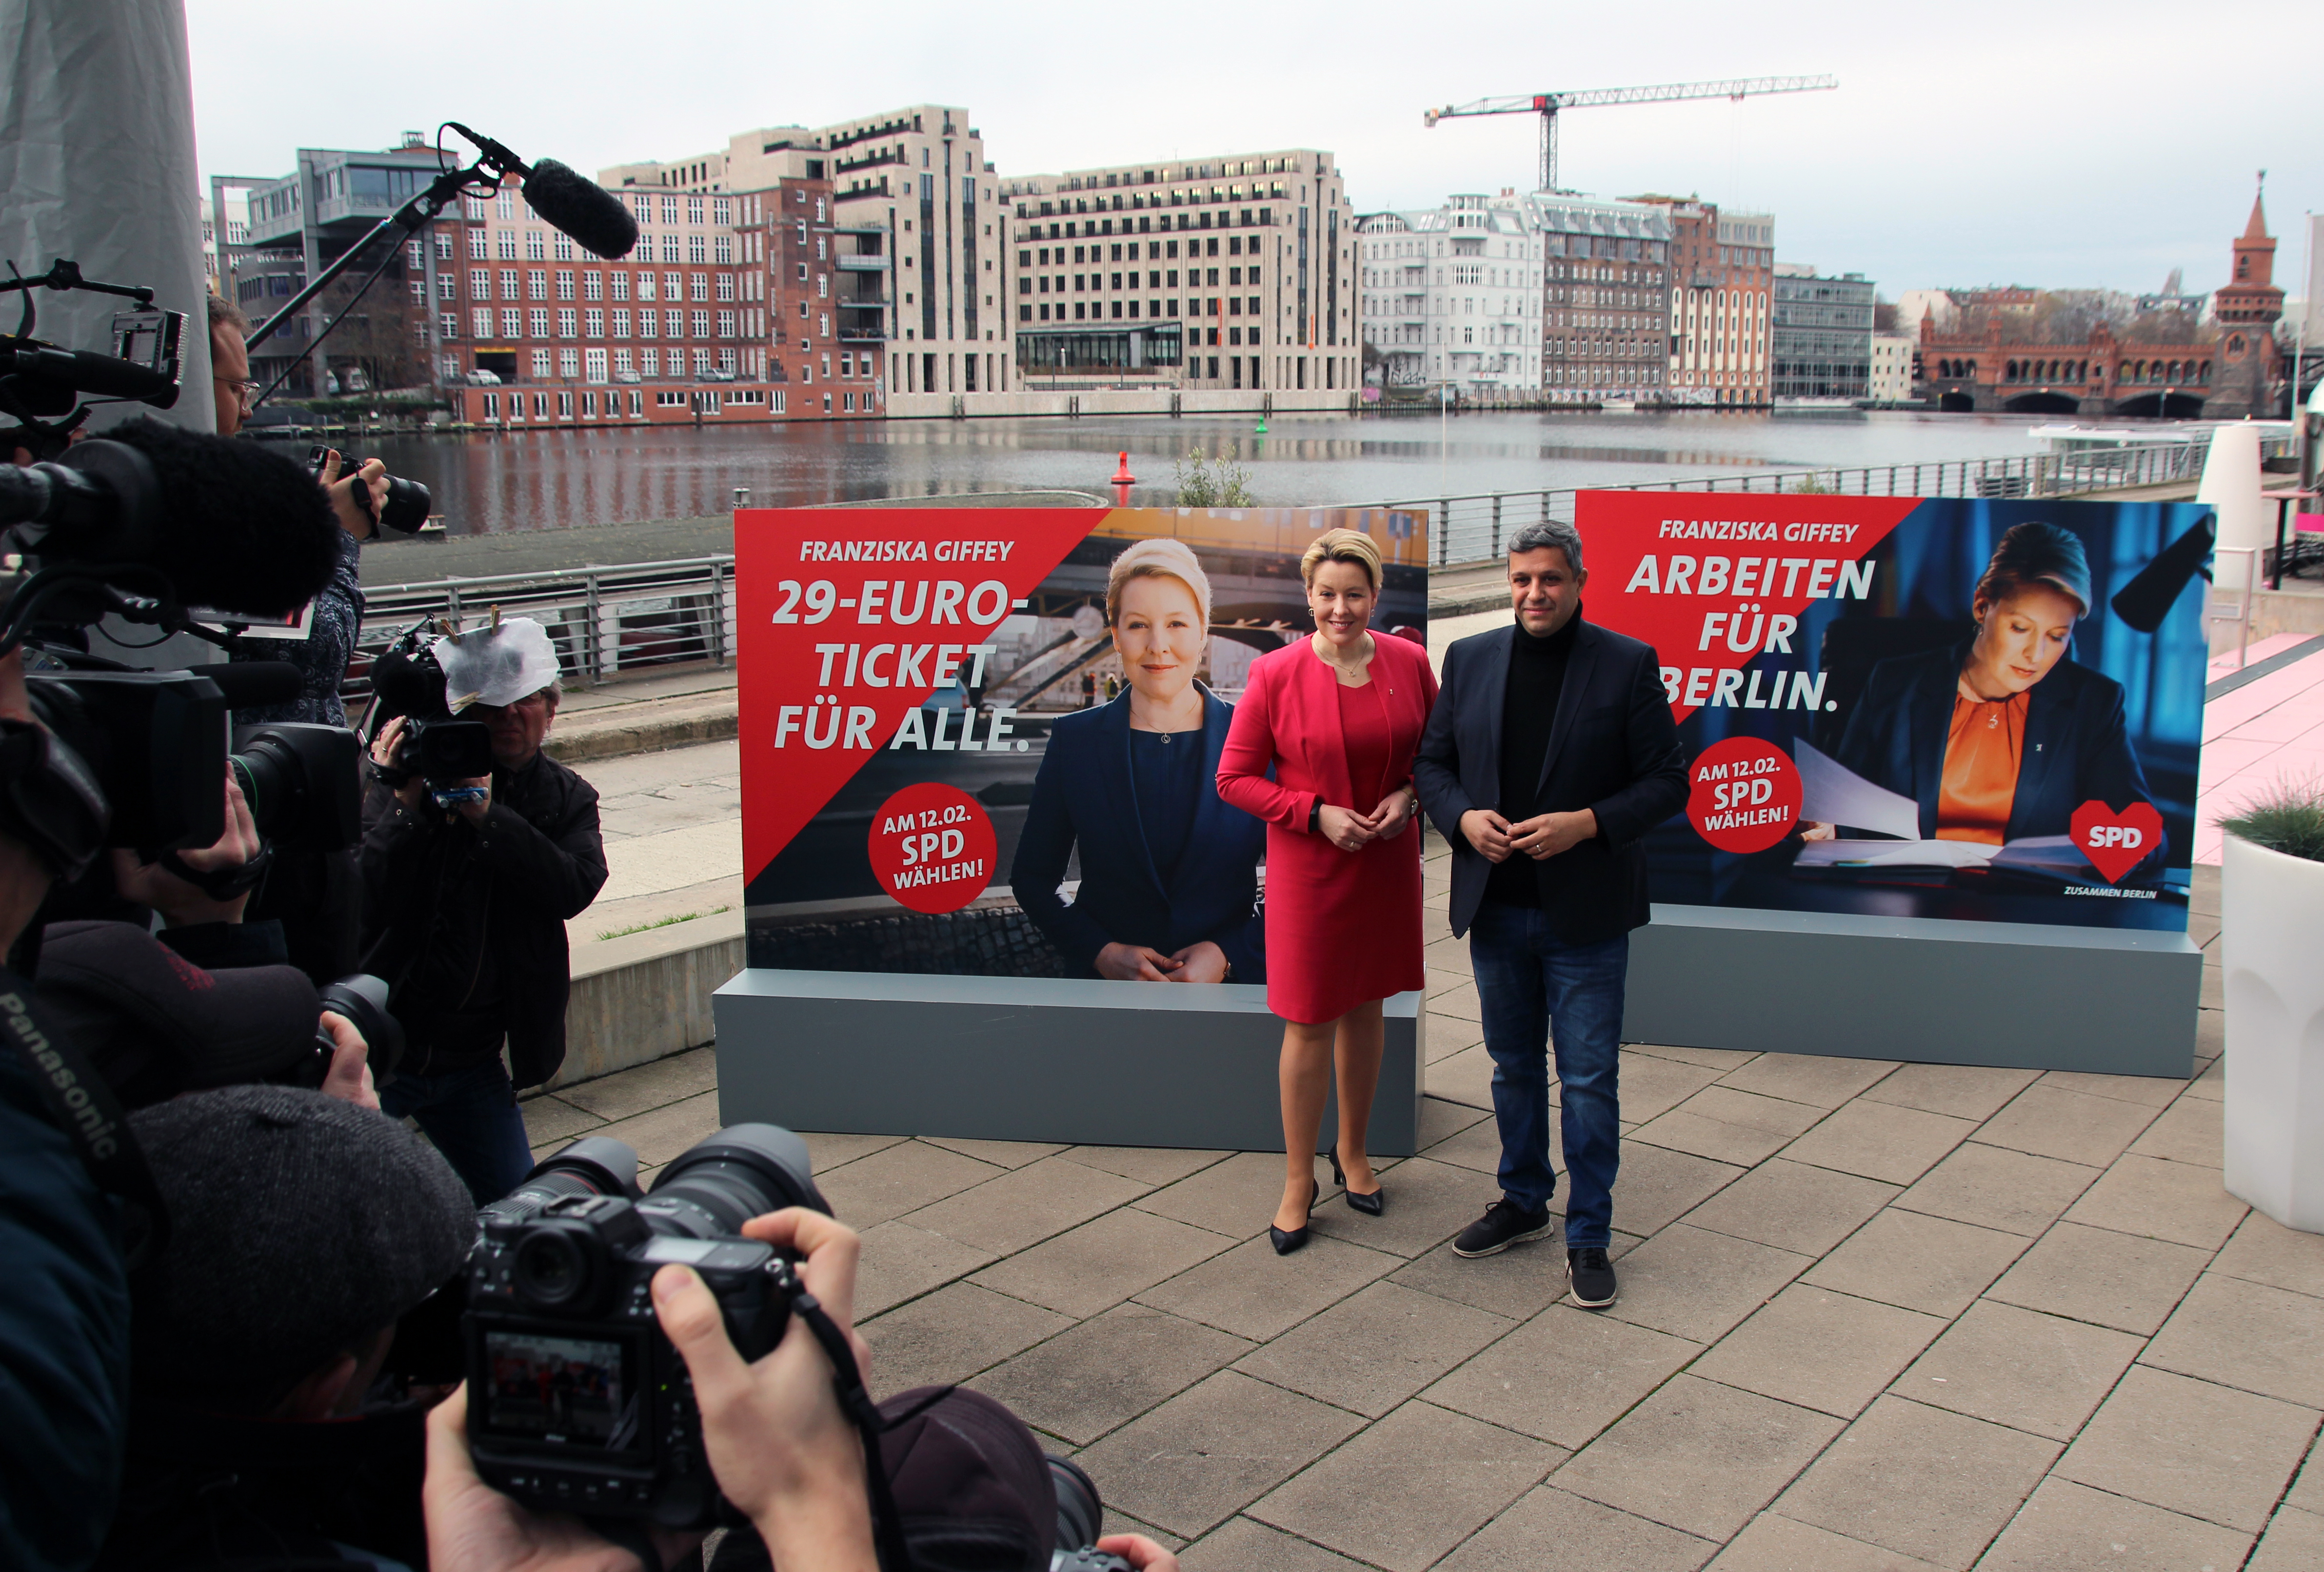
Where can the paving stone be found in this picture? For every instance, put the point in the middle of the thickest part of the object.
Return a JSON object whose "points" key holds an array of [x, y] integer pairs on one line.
{"points": [[1931, 1264], [1240, 1545], [2049, 1120], [2192, 1130], [1564, 1376], [1987, 1186], [1149, 1165], [2178, 1201], [897, 1179], [2211, 1086], [948, 1336], [1550, 1530], [1699, 1456], [1775, 1543], [1821, 1350], [902, 1262], [1428, 1202], [1439, 1121], [1477, 1147], [2034, 1372], [1103, 1261], [1721, 1060], [552, 1122], [2295, 1542], [1443, 1036], [1466, 1076], [2263, 1249], [2211, 1033], [1000, 1153], [2096, 1274], [1696, 1284], [1793, 1207], [2191, 1447], [647, 1086], [1410, 1488], [1921, 1481], [2248, 1336], [2307, 1491], [1810, 1079], [659, 1134], [1112, 1522], [1225, 1197], [1963, 1090], [1460, 1002], [2069, 1525], [1374, 1349], [2151, 1091], [1253, 1292], [1518, 1283], [1729, 1126], [827, 1152], [1024, 1205], [1651, 1085], [1654, 1187], [1101, 1375], [1880, 1141], [1213, 1450]]}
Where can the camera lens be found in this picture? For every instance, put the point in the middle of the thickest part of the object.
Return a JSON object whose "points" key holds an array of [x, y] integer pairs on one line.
{"points": [[1078, 1511], [743, 1171], [595, 1165], [363, 1000], [552, 1271], [406, 506]]}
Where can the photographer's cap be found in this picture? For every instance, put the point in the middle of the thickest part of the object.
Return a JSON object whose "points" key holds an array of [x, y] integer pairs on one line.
{"points": [[511, 659], [155, 1024]]}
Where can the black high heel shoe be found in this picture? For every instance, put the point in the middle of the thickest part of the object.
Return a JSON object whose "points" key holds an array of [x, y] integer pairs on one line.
{"points": [[1369, 1203], [1286, 1240]]}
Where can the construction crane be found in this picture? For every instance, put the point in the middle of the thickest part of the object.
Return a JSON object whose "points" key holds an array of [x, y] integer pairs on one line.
{"points": [[1547, 105]]}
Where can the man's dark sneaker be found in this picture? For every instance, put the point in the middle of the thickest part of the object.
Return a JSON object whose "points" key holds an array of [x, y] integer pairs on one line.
{"points": [[1591, 1277], [1502, 1225]]}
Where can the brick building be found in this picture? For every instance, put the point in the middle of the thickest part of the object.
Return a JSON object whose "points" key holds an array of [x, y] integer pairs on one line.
{"points": [[1722, 272], [1607, 283], [2246, 309]]}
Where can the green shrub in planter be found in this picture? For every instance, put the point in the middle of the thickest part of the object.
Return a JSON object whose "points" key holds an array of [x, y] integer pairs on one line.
{"points": [[2289, 819]]}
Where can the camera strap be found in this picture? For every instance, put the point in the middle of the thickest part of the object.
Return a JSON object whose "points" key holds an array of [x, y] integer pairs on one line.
{"points": [[221, 883], [49, 799], [84, 1107], [847, 1381]]}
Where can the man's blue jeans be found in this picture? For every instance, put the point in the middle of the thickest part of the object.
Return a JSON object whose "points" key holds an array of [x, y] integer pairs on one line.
{"points": [[472, 1117], [1527, 981]]}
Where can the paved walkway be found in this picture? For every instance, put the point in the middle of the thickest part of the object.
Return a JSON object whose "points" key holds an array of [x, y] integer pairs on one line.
{"points": [[1873, 1315], [2267, 732]]}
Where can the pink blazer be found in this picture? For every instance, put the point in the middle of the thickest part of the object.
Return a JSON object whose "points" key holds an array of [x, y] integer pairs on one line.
{"points": [[1288, 717]]}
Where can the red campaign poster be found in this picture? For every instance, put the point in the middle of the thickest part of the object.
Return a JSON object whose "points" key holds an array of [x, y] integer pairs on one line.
{"points": [[1973, 708], [936, 742]]}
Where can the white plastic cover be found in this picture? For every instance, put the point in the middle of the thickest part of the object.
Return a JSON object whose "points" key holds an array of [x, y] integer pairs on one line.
{"points": [[496, 665]]}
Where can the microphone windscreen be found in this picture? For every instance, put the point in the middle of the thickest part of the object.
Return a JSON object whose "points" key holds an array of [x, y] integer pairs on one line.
{"points": [[581, 208], [103, 374], [2148, 598], [237, 527], [249, 683]]}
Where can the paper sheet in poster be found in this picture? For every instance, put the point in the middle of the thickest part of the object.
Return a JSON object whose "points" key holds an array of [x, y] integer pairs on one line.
{"points": [[1831, 793]]}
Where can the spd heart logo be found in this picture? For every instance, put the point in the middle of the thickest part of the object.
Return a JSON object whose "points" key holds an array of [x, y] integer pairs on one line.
{"points": [[2115, 842]]}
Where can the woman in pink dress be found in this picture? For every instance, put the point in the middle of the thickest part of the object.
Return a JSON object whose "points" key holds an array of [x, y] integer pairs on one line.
{"points": [[1337, 717]]}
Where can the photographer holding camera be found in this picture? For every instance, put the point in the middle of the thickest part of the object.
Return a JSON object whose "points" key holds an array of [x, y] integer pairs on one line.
{"points": [[467, 884]]}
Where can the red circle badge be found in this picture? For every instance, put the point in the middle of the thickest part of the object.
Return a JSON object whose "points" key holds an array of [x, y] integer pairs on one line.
{"points": [[932, 847], [1744, 794]]}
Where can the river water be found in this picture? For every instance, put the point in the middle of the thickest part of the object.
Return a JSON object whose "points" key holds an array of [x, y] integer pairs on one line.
{"points": [[549, 480]]}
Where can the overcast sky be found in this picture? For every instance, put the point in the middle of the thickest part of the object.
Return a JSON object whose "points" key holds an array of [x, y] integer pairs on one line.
{"points": [[2034, 142]]}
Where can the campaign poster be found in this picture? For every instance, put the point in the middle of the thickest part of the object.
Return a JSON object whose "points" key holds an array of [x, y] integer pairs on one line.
{"points": [[1977, 709], [940, 772]]}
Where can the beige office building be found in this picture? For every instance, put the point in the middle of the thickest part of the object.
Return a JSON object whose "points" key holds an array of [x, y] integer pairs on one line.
{"points": [[1229, 272]]}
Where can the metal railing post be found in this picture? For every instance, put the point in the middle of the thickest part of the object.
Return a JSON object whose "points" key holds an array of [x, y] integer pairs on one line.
{"points": [[594, 658], [718, 612], [1444, 538], [1496, 525]]}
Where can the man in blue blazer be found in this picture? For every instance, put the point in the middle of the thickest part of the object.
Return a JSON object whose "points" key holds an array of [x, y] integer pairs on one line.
{"points": [[1549, 756], [1085, 799]]}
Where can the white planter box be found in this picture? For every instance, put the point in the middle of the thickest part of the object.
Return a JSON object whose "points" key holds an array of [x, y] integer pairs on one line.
{"points": [[2272, 926]]}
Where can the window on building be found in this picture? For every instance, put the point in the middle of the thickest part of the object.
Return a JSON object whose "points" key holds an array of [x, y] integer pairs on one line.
{"points": [[675, 320], [532, 245], [564, 284], [540, 320], [540, 364]]}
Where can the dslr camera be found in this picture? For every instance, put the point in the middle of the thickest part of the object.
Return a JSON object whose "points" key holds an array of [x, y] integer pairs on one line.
{"points": [[577, 1402], [406, 505], [407, 680]]}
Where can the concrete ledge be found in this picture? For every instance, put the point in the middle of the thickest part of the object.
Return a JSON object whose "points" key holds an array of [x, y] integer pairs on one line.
{"points": [[714, 720], [1108, 1064], [646, 995]]}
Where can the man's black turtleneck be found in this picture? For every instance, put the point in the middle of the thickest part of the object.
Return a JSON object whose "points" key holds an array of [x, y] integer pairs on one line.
{"points": [[1528, 711]]}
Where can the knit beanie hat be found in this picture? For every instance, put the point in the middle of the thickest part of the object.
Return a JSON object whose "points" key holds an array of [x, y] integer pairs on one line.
{"points": [[299, 1225]]}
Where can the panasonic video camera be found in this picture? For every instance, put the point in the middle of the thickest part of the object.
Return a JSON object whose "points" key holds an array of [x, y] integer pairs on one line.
{"points": [[438, 746], [577, 1402]]}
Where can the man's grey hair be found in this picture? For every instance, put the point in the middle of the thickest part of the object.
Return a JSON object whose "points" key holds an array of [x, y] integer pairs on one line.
{"points": [[1548, 534]]}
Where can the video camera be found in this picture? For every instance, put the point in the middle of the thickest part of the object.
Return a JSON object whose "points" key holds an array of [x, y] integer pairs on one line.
{"points": [[407, 504], [407, 680]]}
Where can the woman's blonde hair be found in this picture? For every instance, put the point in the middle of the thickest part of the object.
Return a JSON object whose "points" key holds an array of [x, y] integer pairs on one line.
{"points": [[1157, 560], [1342, 546]]}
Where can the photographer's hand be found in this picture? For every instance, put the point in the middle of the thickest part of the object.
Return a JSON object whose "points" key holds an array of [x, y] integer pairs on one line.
{"points": [[349, 1078], [474, 1527], [1139, 1551], [387, 751], [781, 1448], [358, 499], [474, 812], [182, 904]]}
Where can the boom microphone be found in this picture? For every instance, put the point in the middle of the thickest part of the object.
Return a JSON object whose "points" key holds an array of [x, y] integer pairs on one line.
{"points": [[228, 524], [56, 375], [581, 208]]}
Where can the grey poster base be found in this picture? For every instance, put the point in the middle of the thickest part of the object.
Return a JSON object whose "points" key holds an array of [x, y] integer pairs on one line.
{"points": [[1077, 1061], [2106, 999]]}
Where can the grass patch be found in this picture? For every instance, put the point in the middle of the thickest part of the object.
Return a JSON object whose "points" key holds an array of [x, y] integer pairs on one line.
{"points": [[2289, 819], [661, 922]]}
